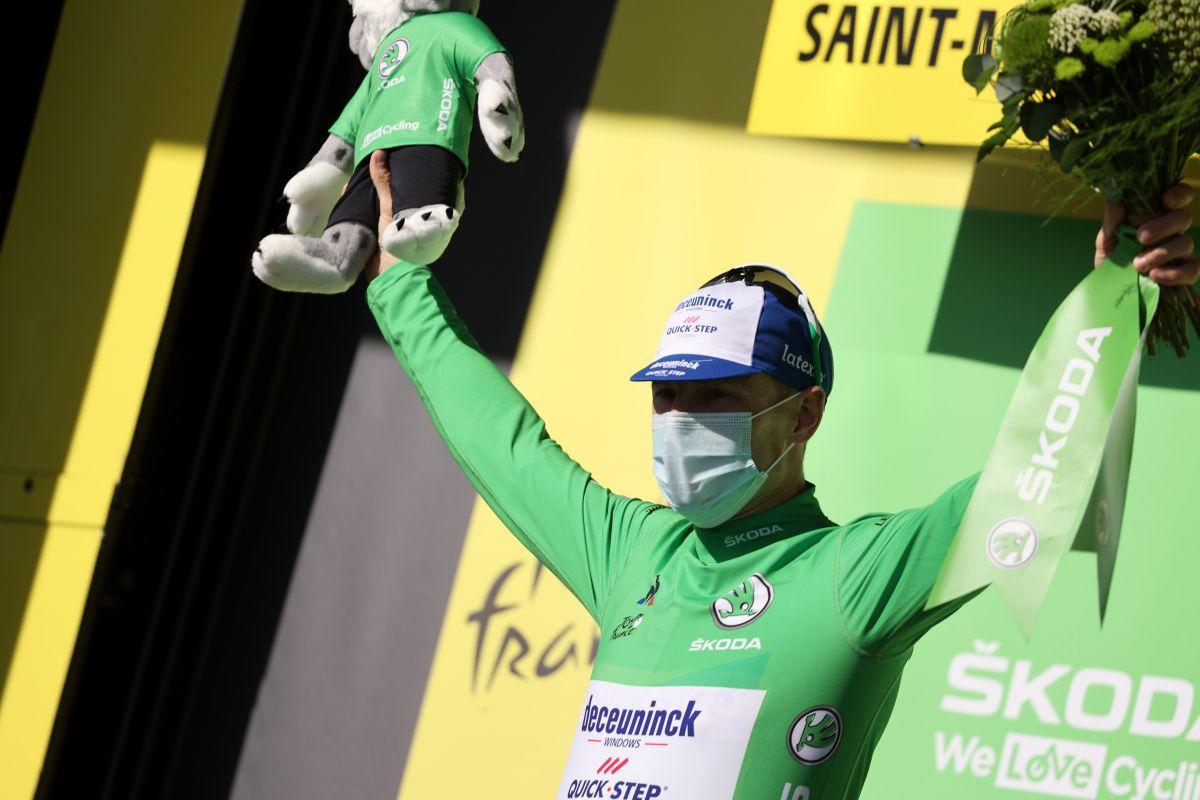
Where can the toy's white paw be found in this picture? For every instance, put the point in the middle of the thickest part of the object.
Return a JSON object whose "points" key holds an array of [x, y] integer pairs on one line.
{"points": [[501, 121], [289, 263], [313, 192], [420, 235]]}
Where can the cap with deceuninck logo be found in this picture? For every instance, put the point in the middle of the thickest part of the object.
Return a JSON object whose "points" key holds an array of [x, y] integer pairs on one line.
{"points": [[753, 318]]}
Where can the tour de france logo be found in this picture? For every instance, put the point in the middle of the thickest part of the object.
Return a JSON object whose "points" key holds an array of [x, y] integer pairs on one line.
{"points": [[744, 603], [1012, 543], [627, 626], [815, 734], [395, 53]]}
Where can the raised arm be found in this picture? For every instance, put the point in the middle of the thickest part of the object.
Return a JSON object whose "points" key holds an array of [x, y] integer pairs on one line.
{"points": [[577, 528], [887, 566]]}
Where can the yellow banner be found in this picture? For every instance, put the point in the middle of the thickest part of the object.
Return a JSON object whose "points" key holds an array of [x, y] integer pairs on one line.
{"points": [[874, 72]]}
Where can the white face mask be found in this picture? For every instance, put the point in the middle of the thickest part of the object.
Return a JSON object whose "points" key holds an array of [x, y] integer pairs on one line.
{"points": [[703, 463]]}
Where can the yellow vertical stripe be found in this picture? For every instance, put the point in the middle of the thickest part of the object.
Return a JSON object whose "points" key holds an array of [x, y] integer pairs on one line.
{"points": [[129, 334], [47, 635], [86, 270]]}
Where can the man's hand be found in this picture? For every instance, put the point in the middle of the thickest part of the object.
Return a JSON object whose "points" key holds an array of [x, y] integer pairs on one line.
{"points": [[381, 176], [1168, 259]]}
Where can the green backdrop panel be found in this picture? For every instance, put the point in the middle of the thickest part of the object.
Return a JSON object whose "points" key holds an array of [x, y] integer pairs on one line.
{"points": [[930, 333]]}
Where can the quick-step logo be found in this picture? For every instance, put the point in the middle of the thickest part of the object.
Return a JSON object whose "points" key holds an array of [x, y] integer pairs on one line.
{"points": [[614, 790], [660, 742]]}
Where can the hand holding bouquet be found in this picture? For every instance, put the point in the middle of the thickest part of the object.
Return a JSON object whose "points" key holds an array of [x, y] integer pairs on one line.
{"points": [[1112, 88]]}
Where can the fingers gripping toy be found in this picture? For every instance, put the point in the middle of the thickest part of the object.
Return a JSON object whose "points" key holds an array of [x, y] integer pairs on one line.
{"points": [[428, 63]]}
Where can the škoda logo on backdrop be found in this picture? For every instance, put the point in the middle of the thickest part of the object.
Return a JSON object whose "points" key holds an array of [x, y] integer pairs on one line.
{"points": [[883, 72], [1066, 731]]}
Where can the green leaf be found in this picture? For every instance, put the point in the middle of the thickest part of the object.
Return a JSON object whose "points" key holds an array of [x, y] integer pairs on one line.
{"points": [[977, 70], [1110, 52], [1038, 118], [1008, 84], [1088, 44], [1011, 122], [1068, 68], [990, 144], [1058, 142], [1076, 149], [1142, 29]]}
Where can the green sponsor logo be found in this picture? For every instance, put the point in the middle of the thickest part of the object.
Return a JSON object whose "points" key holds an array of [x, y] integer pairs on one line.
{"points": [[392, 56], [814, 734], [1012, 543], [744, 603]]}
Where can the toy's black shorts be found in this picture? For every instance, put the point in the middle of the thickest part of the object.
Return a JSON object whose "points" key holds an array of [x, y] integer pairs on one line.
{"points": [[422, 175]]}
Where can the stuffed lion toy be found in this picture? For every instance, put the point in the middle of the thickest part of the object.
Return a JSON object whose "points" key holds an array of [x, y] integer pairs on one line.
{"points": [[430, 64]]}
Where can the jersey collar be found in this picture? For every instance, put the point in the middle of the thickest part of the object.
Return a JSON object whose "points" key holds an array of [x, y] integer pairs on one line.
{"points": [[737, 537]]}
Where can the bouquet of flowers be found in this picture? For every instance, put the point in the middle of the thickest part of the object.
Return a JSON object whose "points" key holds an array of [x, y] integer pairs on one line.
{"points": [[1112, 89]]}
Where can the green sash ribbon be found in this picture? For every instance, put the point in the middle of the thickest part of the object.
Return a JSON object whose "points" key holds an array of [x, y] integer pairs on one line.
{"points": [[1057, 473]]}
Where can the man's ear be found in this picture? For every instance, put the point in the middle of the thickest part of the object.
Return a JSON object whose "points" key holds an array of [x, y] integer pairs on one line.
{"points": [[810, 414]]}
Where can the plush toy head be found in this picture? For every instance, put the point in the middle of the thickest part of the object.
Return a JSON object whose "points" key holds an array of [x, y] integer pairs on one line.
{"points": [[375, 19]]}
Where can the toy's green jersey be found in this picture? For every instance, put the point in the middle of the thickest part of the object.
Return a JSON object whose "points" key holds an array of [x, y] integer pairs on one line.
{"points": [[421, 87], [759, 659]]}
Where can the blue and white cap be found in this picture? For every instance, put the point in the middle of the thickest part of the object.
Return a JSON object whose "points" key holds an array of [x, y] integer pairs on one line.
{"points": [[744, 321]]}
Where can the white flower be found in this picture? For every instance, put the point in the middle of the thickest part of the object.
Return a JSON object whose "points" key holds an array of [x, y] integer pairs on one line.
{"points": [[1106, 21], [1069, 26]]}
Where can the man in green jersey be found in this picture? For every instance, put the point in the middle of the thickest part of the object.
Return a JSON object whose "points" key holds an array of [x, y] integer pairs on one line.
{"points": [[749, 646]]}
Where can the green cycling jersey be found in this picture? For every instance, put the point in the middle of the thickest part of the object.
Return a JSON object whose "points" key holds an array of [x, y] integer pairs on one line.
{"points": [[420, 88], [758, 659]]}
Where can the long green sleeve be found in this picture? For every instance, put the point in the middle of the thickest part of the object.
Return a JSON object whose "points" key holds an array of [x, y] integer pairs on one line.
{"points": [[580, 530], [887, 569]]}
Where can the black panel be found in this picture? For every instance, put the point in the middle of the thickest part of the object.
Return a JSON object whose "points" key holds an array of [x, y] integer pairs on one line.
{"points": [[995, 284], [26, 67], [246, 385]]}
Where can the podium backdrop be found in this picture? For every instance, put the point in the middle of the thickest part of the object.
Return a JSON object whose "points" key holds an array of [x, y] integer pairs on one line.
{"points": [[316, 605]]}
